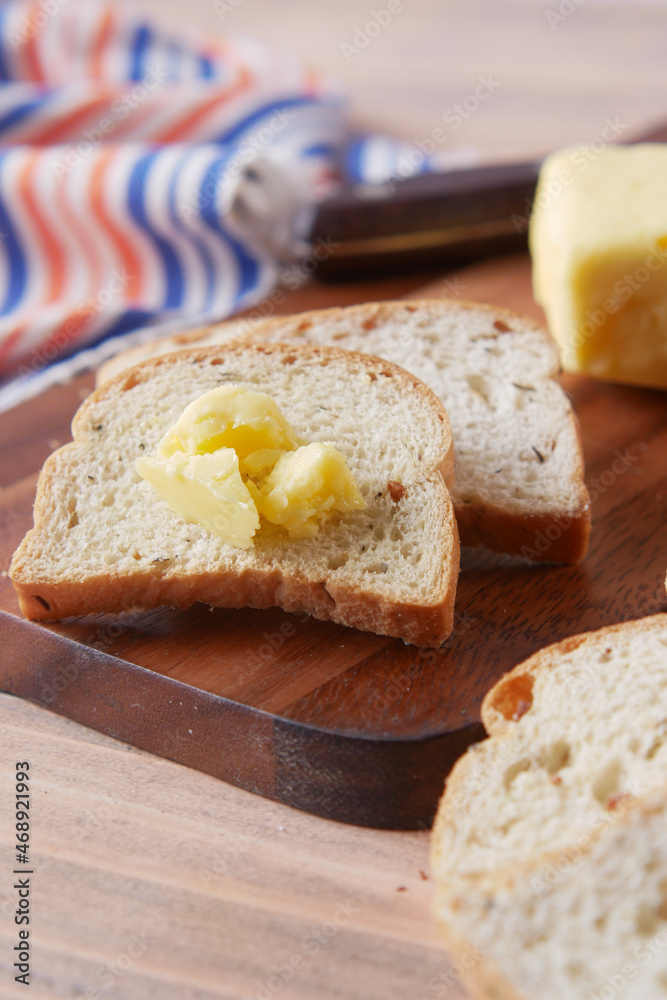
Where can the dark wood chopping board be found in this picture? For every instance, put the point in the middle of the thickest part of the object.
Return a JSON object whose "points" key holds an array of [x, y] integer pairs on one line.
{"points": [[341, 723]]}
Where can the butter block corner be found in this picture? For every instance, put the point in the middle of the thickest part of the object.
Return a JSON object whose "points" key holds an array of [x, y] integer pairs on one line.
{"points": [[598, 242]]}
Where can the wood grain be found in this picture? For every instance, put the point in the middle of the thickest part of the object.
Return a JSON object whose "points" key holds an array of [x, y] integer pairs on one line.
{"points": [[556, 82], [208, 874], [129, 843], [337, 721]]}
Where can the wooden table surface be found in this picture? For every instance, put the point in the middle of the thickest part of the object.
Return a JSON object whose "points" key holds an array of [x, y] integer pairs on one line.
{"points": [[155, 881]]}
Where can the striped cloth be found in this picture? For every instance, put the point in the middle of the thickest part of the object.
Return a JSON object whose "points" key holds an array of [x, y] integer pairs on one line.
{"points": [[131, 157], [123, 145]]}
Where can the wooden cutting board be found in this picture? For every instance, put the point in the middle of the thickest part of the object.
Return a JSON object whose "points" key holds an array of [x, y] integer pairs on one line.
{"points": [[341, 723]]}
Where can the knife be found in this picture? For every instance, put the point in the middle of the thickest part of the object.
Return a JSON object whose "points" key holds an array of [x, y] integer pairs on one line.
{"points": [[429, 220]]}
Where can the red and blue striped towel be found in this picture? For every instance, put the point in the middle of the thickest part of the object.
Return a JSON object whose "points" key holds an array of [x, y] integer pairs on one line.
{"points": [[123, 144], [126, 148]]}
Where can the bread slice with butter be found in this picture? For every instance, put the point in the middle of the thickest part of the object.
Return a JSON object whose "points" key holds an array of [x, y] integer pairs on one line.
{"points": [[577, 737], [104, 540], [519, 469]]}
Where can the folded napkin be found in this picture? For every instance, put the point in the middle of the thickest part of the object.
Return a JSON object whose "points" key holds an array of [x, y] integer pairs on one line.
{"points": [[151, 177], [124, 145]]}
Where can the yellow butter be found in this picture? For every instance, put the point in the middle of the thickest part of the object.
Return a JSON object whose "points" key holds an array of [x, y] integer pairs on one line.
{"points": [[259, 463], [232, 456], [230, 417], [598, 241], [205, 489], [305, 487]]}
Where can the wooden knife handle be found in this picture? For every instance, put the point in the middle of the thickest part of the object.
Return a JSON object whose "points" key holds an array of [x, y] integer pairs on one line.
{"points": [[430, 219], [425, 220]]}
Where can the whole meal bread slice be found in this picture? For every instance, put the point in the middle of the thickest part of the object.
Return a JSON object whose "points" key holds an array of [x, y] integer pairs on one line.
{"points": [[574, 731], [585, 924], [103, 540], [519, 470]]}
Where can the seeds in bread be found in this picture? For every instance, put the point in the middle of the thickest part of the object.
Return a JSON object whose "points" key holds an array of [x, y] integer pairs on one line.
{"points": [[229, 332], [519, 469], [103, 540]]}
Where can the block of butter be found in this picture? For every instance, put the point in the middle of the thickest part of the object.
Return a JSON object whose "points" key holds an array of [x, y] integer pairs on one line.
{"points": [[598, 242]]}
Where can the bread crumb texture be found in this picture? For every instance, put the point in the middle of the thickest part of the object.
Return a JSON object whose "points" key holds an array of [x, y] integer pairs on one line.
{"points": [[103, 540], [549, 847], [519, 468]]}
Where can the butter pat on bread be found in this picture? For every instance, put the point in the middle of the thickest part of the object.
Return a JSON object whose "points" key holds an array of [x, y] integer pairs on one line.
{"points": [[104, 541], [519, 484], [232, 456]]}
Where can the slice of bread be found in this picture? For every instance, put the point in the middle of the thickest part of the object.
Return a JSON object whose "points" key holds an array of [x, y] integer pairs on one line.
{"points": [[578, 736], [587, 924], [105, 541], [519, 469], [229, 332], [574, 731]]}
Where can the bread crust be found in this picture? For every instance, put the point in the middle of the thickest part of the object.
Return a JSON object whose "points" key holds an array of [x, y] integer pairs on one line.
{"points": [[486, 981], [261, 586], [498, 726], [559, 536], [495, 723]]}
